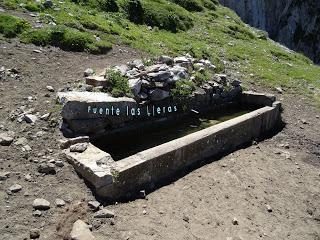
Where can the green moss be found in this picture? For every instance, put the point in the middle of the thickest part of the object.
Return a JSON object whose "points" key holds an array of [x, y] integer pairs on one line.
{"points": [[11, 26], [118, 85]]}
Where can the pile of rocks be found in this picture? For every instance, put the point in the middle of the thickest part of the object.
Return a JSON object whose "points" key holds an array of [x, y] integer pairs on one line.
{"points": [[7, 73], [154, 82], [91, 109]]}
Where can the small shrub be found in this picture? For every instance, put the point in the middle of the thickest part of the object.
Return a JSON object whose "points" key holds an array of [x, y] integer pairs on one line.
{"points": [[32, 7], [262, 34], [202, 77], [67, 39], [241, 32], [182, 89], [108, 5], [190, 5], [99, 47], [11, 26], [118, 85], [39, 37], [135, 11], [166, 16], [210, 4]]}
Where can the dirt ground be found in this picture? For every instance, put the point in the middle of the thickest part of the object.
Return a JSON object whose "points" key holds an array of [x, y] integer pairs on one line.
{"points": [[282, 171]]}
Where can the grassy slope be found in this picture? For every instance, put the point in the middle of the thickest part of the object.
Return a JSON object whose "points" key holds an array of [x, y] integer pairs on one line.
{"points": [[218, 35]]}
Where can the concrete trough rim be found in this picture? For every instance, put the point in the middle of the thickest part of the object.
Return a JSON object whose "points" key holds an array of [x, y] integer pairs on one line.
{"points": [[145, 155]]}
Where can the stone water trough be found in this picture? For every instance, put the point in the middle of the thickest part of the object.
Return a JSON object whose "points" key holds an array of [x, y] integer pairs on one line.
{"points": [[95, 117]]}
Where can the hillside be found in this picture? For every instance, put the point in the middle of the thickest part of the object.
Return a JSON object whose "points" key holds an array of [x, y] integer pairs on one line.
{"points": [[202, 28], [293, 23]]}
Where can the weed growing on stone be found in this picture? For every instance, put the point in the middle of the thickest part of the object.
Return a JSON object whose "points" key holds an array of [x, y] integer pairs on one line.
{"points": [[118, 85]]}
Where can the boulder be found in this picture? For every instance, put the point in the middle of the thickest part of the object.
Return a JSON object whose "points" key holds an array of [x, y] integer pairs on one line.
{"points": [[137, 63], [50, 88], [29, 118], [88, 72], [221, 78], [45, 116], [135, 85], [66, 143], [15, 188], [86, 88], [96, 81], [21, 141], [41, 204], [4, 175], [122, 69], [94, 205], [197, 66], [133, 73], [200, 96], [47, 168], [79, 147], [157, 68], [179, 73], [104, 213], [147, 84], [59, 202], [6, 139], [236, 83], [143, 96], [48, 4], [159, 76], [181, 60], [158, 94], [81, 231], [166, 59], [34, 233]]}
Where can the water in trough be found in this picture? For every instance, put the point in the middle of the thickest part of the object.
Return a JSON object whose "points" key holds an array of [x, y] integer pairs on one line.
{"points": [[125, 144]]}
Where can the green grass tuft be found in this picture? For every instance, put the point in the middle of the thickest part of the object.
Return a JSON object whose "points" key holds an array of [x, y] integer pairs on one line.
{"points": [[32, 7], [190, 5], [182, 90], [66, 38], [118, 85], [11, 26], [202, 77]]}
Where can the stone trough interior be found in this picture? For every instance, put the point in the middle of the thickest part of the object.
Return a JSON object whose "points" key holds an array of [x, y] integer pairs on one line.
{"points": [[127, 160], [127, 142]]}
